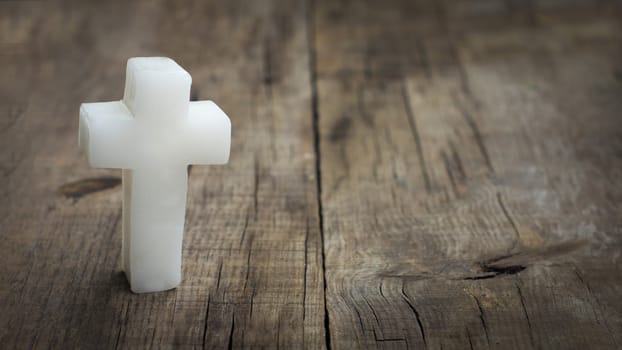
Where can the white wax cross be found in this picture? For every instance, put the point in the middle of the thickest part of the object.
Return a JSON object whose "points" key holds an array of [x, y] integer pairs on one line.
{"points": [[153, 134]]}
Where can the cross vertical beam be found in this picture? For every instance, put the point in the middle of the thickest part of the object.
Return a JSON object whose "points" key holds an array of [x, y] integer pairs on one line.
{"points": [[153, 134]]}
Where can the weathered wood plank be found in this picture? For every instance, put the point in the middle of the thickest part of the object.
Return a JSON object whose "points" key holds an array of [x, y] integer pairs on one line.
{"points": [[252, 251], [469, 153], [468, 160]]}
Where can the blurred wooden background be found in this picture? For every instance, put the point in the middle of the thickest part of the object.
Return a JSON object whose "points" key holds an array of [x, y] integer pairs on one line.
{"points": [[404, 174]]}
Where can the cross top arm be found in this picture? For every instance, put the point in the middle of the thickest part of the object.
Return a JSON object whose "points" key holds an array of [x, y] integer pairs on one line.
{"points": [[105, 133], [207, 135], [154, 124]]}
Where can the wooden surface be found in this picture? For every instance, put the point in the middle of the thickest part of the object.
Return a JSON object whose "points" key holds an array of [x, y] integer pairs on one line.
{"points": [[403, 174]]}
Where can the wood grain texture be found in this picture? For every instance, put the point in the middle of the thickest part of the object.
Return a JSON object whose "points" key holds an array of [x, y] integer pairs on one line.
{"points": [[252, 253], [469, 159], [403, 174]]}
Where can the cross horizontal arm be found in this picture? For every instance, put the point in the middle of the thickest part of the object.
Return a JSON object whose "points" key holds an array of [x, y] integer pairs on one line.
{"points": [[207, 135], [106, 130]]}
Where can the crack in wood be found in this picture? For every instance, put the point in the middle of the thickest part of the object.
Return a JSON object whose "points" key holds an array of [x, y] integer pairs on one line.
{"points": [[496, 271], [174, 308], [310, 28], [509, 264], [417, 316], [218, 276], [482, 318], [77, 189], [118, 339], [256, 187], [230, 341], [278, 332], [522, 302], [250, 313], [358, 313], [205, 322], [243, 236], [116, 343], [248, 263], [304, 286], [469, 337], [375, 318]]}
